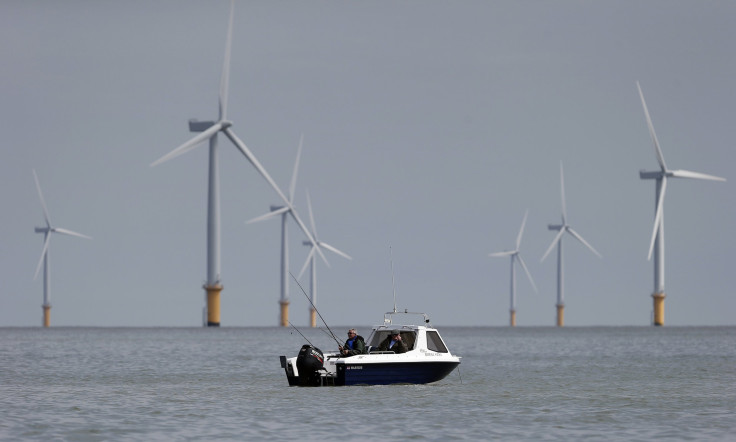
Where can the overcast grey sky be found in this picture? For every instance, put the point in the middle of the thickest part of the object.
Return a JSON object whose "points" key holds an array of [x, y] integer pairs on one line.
{"points": [[428, 126]]}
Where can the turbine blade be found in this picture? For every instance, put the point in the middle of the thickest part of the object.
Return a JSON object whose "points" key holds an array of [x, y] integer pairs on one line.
{"points": [[43, 253], [580, 238], [292, 186], [695, 175], [334, 250], [268, 215], [43, 202], [254, 161], [521, 231], [502, 254], [310, 257], [69, 232], [189, 145], [225, 78], [314, 230], [554, 241], [523, 265], [652, 134], [562, 192], [311, 215], [308, 234], [657, 216]]}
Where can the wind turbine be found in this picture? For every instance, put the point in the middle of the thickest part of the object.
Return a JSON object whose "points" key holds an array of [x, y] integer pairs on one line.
{"points": [[656, 244], [284, 212], [47, 231], [315, 245], [208, 130], [514, 254], [563, 228]]}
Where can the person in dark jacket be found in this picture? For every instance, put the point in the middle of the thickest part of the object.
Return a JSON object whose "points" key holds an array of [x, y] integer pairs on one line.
{"points": [[393, 343], [355, 345]]}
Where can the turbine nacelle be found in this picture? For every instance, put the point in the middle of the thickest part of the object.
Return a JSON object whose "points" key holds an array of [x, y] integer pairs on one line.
{"points": [[201, 126], [651, 175], [655, 175]]}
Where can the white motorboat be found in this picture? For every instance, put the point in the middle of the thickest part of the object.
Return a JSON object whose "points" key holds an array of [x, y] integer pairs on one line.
{"points": [[426, 360]]}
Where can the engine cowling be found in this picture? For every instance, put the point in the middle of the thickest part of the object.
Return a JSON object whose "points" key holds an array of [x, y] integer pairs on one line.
{"points": [[308, 363]]}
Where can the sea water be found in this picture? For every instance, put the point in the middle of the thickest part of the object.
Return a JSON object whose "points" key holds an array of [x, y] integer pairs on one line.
{"points": [[526, 383]]}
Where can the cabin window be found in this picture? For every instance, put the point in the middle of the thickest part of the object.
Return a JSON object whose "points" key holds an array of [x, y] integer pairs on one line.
{"points": [[434, 342]]}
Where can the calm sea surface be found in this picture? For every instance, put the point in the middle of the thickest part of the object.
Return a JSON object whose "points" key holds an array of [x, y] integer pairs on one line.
{"points": [[628, 383]]}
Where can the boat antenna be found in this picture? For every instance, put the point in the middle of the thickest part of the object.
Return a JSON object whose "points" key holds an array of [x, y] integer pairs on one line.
{"points": [[393, 284], [297, 330], [315, 309]]}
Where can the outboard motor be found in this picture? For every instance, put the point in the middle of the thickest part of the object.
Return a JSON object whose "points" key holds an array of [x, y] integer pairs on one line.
{"points": [[309, 361]]}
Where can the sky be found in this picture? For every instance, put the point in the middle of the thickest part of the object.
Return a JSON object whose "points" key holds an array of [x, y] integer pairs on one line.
{"points": [[430, 127]]}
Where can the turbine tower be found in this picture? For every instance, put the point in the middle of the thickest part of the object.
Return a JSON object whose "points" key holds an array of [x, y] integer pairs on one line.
{"points": [[315, 245], [656, 244], [284, 212], [514, 254], [47, 231], [208, 130], [563, 228]]}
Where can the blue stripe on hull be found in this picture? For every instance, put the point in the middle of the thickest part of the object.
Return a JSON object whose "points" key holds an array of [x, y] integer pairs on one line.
{"points": [[393, 373]]}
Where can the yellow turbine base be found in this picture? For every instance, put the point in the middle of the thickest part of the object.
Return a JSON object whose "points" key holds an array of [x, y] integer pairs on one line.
{"points": [[46, 315], [512, 321], [659, 308], [560, 315], [213, 305], [312, 317], [284, 320]]}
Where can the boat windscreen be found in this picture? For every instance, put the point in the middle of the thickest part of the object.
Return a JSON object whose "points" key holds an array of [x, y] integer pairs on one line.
{"points": [[408, 337]]}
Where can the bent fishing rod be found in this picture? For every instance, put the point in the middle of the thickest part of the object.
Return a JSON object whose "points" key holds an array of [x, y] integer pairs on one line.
{"points": [[315, 309]]}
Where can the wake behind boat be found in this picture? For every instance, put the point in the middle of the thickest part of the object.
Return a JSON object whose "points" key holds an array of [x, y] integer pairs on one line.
{"points": [[426, 360]]}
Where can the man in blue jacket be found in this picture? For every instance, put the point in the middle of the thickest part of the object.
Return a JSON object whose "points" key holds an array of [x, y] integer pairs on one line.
{"points": [[355, 345]]}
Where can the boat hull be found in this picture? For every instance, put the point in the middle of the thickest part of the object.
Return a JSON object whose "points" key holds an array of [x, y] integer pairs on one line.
{"points": [[386, 373]]}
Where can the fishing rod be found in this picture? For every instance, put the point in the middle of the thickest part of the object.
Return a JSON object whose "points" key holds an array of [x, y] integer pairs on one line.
{"points": [[315, 309], [324, 331], [297, 330]]}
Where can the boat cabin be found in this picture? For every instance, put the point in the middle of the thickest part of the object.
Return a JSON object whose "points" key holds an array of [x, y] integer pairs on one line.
{"points": [[430, 339]]}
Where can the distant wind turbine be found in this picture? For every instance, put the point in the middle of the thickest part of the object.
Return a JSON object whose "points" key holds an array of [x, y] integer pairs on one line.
{"points": [[315, 245], [656, 244], [47, 231], [514, 254], [563, 228], [284, 212], [208, 131]]}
